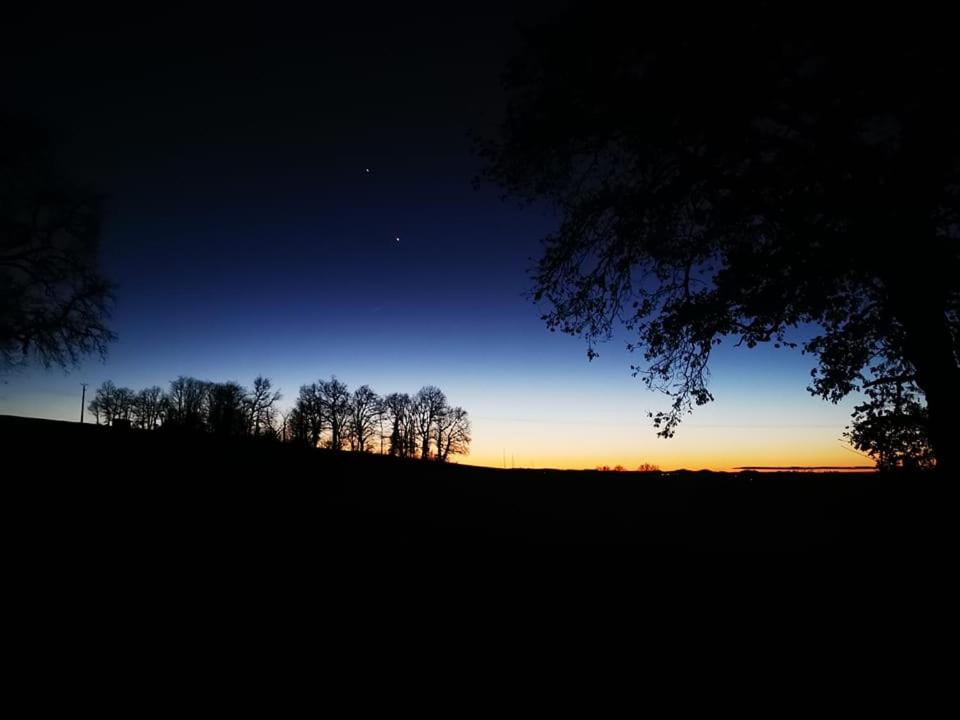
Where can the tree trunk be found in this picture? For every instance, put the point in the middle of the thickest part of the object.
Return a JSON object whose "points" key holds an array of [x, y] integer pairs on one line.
{"points": [[928, 346]]}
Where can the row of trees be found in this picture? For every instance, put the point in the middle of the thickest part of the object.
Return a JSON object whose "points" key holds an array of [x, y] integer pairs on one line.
{"points": [[643, 467], [225, 408], [327, 414]]}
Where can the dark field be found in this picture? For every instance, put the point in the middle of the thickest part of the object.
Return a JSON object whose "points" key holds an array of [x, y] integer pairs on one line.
{"points": [[133, 493]]}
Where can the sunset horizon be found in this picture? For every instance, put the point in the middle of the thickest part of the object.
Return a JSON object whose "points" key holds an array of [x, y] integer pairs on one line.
{"points": [[336, 281]]}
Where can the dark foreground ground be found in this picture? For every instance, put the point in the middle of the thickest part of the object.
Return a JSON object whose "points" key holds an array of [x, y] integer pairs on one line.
{"points": [[147, 568], [133, 492]]}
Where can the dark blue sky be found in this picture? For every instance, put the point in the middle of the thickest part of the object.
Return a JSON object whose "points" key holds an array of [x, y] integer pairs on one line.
{"points": [[246, 235]]}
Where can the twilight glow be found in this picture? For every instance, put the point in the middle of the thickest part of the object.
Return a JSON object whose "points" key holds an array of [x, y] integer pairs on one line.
{"points": [[358, 246]]}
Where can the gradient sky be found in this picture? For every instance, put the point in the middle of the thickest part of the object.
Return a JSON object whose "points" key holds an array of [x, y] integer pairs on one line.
{"points": [[246, 235]]}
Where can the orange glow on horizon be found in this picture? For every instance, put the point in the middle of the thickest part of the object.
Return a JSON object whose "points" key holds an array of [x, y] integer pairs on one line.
{"points": [[586, 447], [586, 463]]}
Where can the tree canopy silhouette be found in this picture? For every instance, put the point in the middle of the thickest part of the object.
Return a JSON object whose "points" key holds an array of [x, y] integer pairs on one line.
{"points": [[890, 425], [739, 172], [326, 414], [53, 299]]}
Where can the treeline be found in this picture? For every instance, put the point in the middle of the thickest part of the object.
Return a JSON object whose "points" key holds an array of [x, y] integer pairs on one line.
{"points": [[643, 467], [222, 408], [424, 425], [326, 414]]}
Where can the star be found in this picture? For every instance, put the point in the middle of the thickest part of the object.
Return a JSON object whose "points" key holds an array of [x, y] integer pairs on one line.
{"points": [[398, 239]]}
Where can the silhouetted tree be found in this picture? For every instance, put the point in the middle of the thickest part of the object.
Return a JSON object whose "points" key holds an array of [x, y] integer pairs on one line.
{"points": [[891, 424], [295, 429], [112, 403], [397, 411], [124, 399], [736, 172], [409, 434], [53, 300], [104, 403], [187, 403], [454, 438], [262, 403], [309, 418], [148, 407], [93, 407], [228, 409], [428, 404], [335, 401], [442, 421], [381, 419], [284, 432], [362, 420]]}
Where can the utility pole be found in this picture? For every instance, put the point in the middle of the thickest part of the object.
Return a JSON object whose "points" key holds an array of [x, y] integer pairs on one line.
{"points": [[83, 401]]}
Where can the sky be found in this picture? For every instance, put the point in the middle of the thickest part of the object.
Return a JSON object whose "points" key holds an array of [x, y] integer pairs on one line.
{"points": [[293, 195]]}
